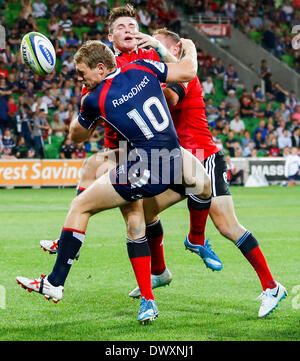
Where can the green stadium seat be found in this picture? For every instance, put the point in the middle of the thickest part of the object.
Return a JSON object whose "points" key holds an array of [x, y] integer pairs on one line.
{"points": [[288, 59], [261, 154], [42, 25], [16, 6], [255, 36], [52, 151], [56, 140], [263, 106], [275, 106], [251, 124], [10, 16], [58, 65], [79, 30]]}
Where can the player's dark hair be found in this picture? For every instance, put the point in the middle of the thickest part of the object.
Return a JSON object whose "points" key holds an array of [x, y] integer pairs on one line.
{"points": [[127, 10], [94, 52], [168, 33]]}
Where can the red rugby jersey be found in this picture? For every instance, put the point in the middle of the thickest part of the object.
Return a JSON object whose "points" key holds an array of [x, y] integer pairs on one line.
{"points": [[190, 120], [111, 139]]}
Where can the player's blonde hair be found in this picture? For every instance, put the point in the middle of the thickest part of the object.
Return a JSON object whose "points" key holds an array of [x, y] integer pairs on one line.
{"points": [[170, 34], [121, 11], [94, 52]]}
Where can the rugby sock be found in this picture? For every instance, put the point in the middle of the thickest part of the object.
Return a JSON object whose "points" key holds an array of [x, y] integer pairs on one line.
{"points": [[248, 245], [80, 190], [140, 258], [69, 244], [199, 210], [155, 236]]}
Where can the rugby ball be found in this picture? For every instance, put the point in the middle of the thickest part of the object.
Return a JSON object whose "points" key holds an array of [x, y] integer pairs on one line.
{"points": [[38, 53]]}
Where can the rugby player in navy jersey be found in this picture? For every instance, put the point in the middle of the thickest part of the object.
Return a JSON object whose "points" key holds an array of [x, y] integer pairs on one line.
{"points": [[130, 99]]}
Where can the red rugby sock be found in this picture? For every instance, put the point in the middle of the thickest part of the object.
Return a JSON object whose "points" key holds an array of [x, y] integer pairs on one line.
{"points": [[248, 245], [139, 254], [199, 210]]}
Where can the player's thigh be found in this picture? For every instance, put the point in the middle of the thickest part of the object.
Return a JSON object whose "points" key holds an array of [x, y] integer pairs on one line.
{"points": [[100, 196], [223, 216], [195, 177], [133, 215], [106, 161], [153, 206], [98, 164]]}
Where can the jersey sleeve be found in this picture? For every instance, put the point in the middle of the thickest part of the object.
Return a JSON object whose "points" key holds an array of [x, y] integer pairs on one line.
{"points": [[89, 112], [159, 69]]}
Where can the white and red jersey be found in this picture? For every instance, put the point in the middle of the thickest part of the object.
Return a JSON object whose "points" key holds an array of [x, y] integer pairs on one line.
{"points": [[190, 119]]}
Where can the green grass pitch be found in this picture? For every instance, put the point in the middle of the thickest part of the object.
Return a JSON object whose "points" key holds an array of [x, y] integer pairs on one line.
{"points": [[199, 304]]}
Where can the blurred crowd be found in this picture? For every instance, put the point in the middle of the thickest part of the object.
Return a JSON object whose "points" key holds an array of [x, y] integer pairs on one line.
{"points": [[268, 22], [36, 112], [248, 122]]}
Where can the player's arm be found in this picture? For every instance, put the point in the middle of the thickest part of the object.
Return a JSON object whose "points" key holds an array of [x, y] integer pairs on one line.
{"points": [[82, 127], [78, 132], [172, 98], [174, 93], [145, 40], [186, 69]]}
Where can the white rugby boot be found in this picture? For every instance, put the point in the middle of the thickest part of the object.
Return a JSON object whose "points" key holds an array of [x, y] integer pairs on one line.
{"points": [[270, 299], [52, 247], [42, 286], [161, 280]]}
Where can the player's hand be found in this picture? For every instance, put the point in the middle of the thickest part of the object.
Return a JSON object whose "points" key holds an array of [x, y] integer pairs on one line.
{"points": [[187, 46], [145, 40]]}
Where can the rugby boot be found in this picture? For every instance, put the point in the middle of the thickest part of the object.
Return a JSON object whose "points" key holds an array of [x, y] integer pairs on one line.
{"points": [[52, 247], [270, 299], [42, 286], [148, 311], [161, 280], [209, 257]]}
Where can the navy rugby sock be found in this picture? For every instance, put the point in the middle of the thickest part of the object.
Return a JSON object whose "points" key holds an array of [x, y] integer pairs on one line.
{"points": [[69, 244]]}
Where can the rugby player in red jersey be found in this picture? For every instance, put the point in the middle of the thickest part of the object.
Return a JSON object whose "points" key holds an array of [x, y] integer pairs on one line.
{"points": [[188, 114]]}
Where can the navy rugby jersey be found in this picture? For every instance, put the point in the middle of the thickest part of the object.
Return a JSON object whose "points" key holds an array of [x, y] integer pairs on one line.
{"points": [[131, 100]]}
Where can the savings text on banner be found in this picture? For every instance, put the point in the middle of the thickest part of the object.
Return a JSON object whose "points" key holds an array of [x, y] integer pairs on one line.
{"points": [[38, 172]]}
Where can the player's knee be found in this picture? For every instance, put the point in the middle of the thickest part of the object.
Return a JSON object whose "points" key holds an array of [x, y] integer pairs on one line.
{"points": [[88, 170], [78, 206], [135, 227], [75, 206]]}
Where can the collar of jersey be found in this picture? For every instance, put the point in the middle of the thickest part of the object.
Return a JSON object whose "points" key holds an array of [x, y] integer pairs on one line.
{"points": [[120, 53], [113, 74]]}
